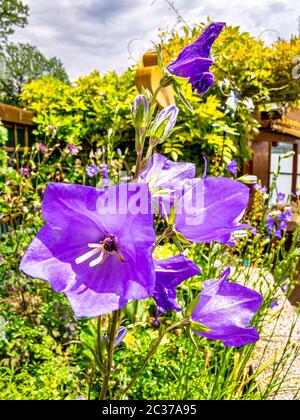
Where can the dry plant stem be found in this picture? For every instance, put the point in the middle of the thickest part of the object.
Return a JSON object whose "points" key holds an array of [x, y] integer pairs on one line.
{"points": [[153, 348], [111, 342]]}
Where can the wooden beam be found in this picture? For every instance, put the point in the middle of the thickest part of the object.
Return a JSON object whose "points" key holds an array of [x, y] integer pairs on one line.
{"points": [[11, 114], [274, 137]]}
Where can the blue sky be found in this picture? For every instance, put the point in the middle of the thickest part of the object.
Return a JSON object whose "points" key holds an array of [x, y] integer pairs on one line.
{"points": [[112, 34]]}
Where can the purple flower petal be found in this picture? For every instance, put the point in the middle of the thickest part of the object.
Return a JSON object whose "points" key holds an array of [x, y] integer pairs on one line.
{"points": [[169, 274], [232, 167], [193, 61], [227, 309], [163, 174], [79, 220], [211, 209]]}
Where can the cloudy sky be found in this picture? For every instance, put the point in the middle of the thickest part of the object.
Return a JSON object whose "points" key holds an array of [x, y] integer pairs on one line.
{"points": [[110, 34]]}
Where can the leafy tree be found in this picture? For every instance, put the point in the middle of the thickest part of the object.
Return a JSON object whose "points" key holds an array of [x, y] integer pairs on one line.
{"points": [[24, 63], [12, 13]]}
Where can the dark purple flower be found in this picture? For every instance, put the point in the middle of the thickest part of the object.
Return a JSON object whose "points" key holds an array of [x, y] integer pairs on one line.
{"points": [[286, 216], [52, 129], [285, 284], [194, 60], [282, 225], [169, 274], [25, 171], [96, 246], [280, 197], [42, 147], [259, 187], [211, 209], [232, 167], [270, 224], [254, 231], [227, 309], [278, 233], [104, 170], [92, 170], [73, 149], [273, 304]]}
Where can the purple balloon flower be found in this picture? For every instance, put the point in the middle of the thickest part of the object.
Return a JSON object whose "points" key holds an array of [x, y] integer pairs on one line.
{"points": [[25, 171], [169, 274], [232, 167], [280, 197], [273, 304], [42, 147], [105, 170], [73, 150], [96, 246], [92, 170], [270, 223], [211, 209], [165, 178], [286, 216], [194, 60], [227, 309]]}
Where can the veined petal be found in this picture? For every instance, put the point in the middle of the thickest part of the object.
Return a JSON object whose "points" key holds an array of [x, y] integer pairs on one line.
{"points": [[164, 173], [169, 274], [211, 209], [227, 309], [65, 252]]}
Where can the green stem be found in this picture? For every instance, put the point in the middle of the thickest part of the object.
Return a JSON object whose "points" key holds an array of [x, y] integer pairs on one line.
{"points": [[153, 348], [99, 339], [90, 381], [113, 332]]}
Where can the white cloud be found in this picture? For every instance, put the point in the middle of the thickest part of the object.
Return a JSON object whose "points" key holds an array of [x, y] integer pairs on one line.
{"points": [[95, 34]]}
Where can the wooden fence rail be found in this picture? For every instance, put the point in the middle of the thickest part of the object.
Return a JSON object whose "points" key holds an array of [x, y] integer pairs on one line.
{"points": [[19, 125]]}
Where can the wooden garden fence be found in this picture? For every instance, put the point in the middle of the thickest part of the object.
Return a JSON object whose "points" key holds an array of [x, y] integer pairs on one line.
{"points": [[19, 125]]}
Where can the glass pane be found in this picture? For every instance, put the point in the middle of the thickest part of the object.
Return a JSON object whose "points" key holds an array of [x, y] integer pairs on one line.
{"points": [[286, 164], [284, 182]]}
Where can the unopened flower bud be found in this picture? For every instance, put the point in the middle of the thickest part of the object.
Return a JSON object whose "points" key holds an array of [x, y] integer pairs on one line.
{"points": [[164, 123], [140, 110], [287, 155], [248, 179]]}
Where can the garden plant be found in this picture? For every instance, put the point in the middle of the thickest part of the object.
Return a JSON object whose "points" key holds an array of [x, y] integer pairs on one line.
{"points": [[130, 273]]}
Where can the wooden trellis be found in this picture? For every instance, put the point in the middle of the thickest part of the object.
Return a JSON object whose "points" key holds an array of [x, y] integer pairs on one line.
{"points": [[20, 125]]}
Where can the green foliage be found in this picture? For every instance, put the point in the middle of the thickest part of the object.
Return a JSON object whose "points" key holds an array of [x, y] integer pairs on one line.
{"points": [[84, 114], [12, 13], [250, 77], [23, 63]]}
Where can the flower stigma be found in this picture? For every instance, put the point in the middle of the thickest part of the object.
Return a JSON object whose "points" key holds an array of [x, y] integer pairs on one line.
{"points": [[104, 248]]}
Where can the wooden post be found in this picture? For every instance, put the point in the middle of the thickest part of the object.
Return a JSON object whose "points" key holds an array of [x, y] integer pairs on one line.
{"points": [[295, 167]]}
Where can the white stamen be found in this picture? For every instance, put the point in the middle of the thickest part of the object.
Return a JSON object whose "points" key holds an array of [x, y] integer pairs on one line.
{"points": [[86, 256], [98, 260]]}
